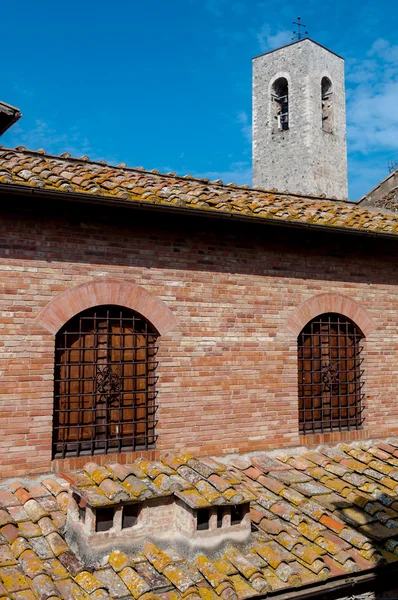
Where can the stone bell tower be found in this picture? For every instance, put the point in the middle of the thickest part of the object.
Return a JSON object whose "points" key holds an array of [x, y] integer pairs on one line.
{"points": [[299, 121]]}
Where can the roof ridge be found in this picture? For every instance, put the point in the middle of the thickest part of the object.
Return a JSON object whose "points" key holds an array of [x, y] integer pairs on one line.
{"points": [[172, 175]]}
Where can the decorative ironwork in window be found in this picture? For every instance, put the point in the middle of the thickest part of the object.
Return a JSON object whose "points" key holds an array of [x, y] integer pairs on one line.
{"points": [[329, 375], [105, 381]]}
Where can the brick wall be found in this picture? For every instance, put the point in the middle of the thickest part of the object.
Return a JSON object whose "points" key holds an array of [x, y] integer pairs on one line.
{"points": [[228, 370]]}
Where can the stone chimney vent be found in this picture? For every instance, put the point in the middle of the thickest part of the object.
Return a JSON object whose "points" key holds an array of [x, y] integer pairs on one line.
{"points": [[182, 501]]}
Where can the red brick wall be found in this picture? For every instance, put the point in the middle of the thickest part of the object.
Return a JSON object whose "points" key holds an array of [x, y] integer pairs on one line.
{"points": [[228, 370]]}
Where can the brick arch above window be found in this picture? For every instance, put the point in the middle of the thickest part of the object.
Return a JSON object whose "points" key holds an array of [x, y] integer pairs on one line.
{"points": [[106, 291], [330, 303]]}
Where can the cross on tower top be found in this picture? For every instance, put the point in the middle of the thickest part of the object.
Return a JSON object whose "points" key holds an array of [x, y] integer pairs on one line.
{"points": [[297, 35]]}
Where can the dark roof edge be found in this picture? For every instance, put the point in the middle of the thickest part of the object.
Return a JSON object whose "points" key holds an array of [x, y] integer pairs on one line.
{"points": [[210, 213], [12, 112], [353, 583], [297, 42], [202, 180]]}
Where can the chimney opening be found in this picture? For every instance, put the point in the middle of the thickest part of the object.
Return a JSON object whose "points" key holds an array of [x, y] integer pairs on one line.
{"points": [[104, 519], [202, 519], [81, 507], [82, 513], [220, 516], [236, 514], [130, 515]]}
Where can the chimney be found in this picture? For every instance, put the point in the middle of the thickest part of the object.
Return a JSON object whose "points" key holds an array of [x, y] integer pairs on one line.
{"points": [[123, 506]]}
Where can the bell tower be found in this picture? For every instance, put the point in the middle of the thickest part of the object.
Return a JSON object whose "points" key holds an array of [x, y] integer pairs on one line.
{"points": [[299, 121]]}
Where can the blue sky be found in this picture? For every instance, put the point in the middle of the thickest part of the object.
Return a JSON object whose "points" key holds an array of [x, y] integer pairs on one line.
{"points": [[166, 84]]}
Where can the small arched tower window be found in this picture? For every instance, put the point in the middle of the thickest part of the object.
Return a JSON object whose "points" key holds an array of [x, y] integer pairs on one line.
{"points": [[327, 104], [104, 385], [330, 375], [280, 104]]}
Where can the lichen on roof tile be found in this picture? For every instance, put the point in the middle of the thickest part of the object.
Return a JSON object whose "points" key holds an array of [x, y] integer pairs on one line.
{"points": [[68, 176], [331, 524]]}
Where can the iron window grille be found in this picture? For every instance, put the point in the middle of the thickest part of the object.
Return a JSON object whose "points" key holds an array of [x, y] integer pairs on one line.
{"points": [[330, 375], [105, 383]]}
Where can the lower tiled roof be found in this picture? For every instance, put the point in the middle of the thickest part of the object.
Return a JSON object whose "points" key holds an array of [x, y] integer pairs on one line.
{"points": [[70, 177], [316, 514]]}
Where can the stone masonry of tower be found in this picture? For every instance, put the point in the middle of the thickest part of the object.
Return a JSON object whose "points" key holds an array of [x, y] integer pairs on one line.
{"points": [[305, 158]]}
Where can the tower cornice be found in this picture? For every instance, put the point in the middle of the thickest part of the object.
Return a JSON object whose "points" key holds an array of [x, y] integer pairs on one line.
{"points": [[307, 39]]}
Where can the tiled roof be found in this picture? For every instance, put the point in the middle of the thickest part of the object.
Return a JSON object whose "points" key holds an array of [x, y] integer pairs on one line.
{"points": [[384, 195], [317, 515], [389, 201], [37, 170], [199, 484]]}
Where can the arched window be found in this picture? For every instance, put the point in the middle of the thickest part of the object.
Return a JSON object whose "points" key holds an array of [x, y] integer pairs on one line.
{"points": [[327, 104], [280, 104], [104, 398], [329, 375]]}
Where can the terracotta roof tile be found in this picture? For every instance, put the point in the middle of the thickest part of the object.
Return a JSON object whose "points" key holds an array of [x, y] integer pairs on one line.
{"points": [[19, 167], [310, 526]]}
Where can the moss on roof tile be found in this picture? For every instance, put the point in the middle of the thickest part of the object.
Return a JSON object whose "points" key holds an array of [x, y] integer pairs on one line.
{"points": [[71, 176]]}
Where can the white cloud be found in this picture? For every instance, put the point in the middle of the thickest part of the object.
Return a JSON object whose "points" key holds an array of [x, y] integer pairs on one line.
{"points": [[246, 127], [372, 100], [269, 39], [237, 172], [382, 48], [43, 135], [364, 177]]}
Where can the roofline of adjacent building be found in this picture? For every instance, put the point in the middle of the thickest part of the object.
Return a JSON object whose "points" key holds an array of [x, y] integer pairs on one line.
{"points": [[389, 176], [81, 198], [297, 42], [12, 112]]}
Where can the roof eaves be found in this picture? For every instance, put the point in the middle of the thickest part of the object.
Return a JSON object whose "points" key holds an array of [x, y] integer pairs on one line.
{"points": [[210, 213], [8, 116], [333, 585]]}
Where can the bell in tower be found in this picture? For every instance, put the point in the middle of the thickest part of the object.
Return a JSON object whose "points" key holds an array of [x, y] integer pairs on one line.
{"points": [[299, 121]]}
